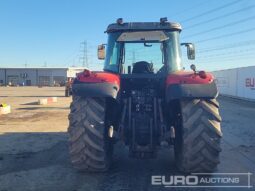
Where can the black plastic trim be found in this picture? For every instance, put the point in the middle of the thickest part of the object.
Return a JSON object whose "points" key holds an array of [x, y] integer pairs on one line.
{"points": [[96, 89], [178, 91]]}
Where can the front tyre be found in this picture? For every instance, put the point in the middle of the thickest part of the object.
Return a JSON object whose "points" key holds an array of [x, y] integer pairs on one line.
{"points": [[89, 146], [197, 145]]}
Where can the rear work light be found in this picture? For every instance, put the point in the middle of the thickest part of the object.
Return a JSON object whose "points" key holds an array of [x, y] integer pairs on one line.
{"points": [[202, 74], [86, 73]]}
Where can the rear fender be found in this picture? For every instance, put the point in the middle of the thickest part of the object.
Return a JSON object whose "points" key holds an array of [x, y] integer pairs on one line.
{"points": [[96, 84], [189, 85]]}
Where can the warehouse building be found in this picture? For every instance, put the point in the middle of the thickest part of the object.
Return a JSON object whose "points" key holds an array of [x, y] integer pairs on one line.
{"points": [[36, 76]]}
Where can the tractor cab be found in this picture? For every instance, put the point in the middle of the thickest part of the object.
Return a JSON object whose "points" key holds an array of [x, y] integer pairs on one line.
{"points": [[143, 48]]}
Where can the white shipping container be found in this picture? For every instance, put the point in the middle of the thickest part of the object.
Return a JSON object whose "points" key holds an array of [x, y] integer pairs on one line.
{"points": [[237, 82], [226, 81], [246, 82]]}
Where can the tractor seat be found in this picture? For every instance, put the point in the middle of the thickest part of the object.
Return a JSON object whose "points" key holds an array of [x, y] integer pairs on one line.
{"points": [[143, 67]]}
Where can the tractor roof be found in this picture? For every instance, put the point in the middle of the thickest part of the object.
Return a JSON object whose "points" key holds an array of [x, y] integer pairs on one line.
{"points": [[143, 26]]}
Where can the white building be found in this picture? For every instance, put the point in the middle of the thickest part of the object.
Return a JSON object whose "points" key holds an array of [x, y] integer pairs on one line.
{"points": [[36, 76]]}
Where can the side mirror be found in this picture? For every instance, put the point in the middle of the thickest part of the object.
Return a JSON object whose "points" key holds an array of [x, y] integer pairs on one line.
{"points": [[101, 52], [190, 50]]}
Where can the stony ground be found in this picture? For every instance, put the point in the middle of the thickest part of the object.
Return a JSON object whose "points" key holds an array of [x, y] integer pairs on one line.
{"points": [[34, 152]]}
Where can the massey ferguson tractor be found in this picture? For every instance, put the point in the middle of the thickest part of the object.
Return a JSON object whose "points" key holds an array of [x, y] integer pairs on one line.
{"points": [[145, 99]]}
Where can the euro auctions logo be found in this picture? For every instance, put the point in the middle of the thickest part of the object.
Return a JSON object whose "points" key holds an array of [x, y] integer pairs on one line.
{"points": [[174, 180], [250, 83], [239, 180]]}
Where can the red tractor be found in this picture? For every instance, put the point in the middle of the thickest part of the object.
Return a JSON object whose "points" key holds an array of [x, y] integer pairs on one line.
{"points": [[145, 99]]}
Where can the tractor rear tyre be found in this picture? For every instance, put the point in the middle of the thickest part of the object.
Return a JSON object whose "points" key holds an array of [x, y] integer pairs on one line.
{"points": [[89, 146], [197, 144]]}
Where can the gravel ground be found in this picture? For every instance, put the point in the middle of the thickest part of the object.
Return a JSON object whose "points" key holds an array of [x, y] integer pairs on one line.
{"points": [[34, 153]]}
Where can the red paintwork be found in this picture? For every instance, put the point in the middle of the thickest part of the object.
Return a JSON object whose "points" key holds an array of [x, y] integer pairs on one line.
{"points": [[179, 77], [182, 77], [98, 77]]}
